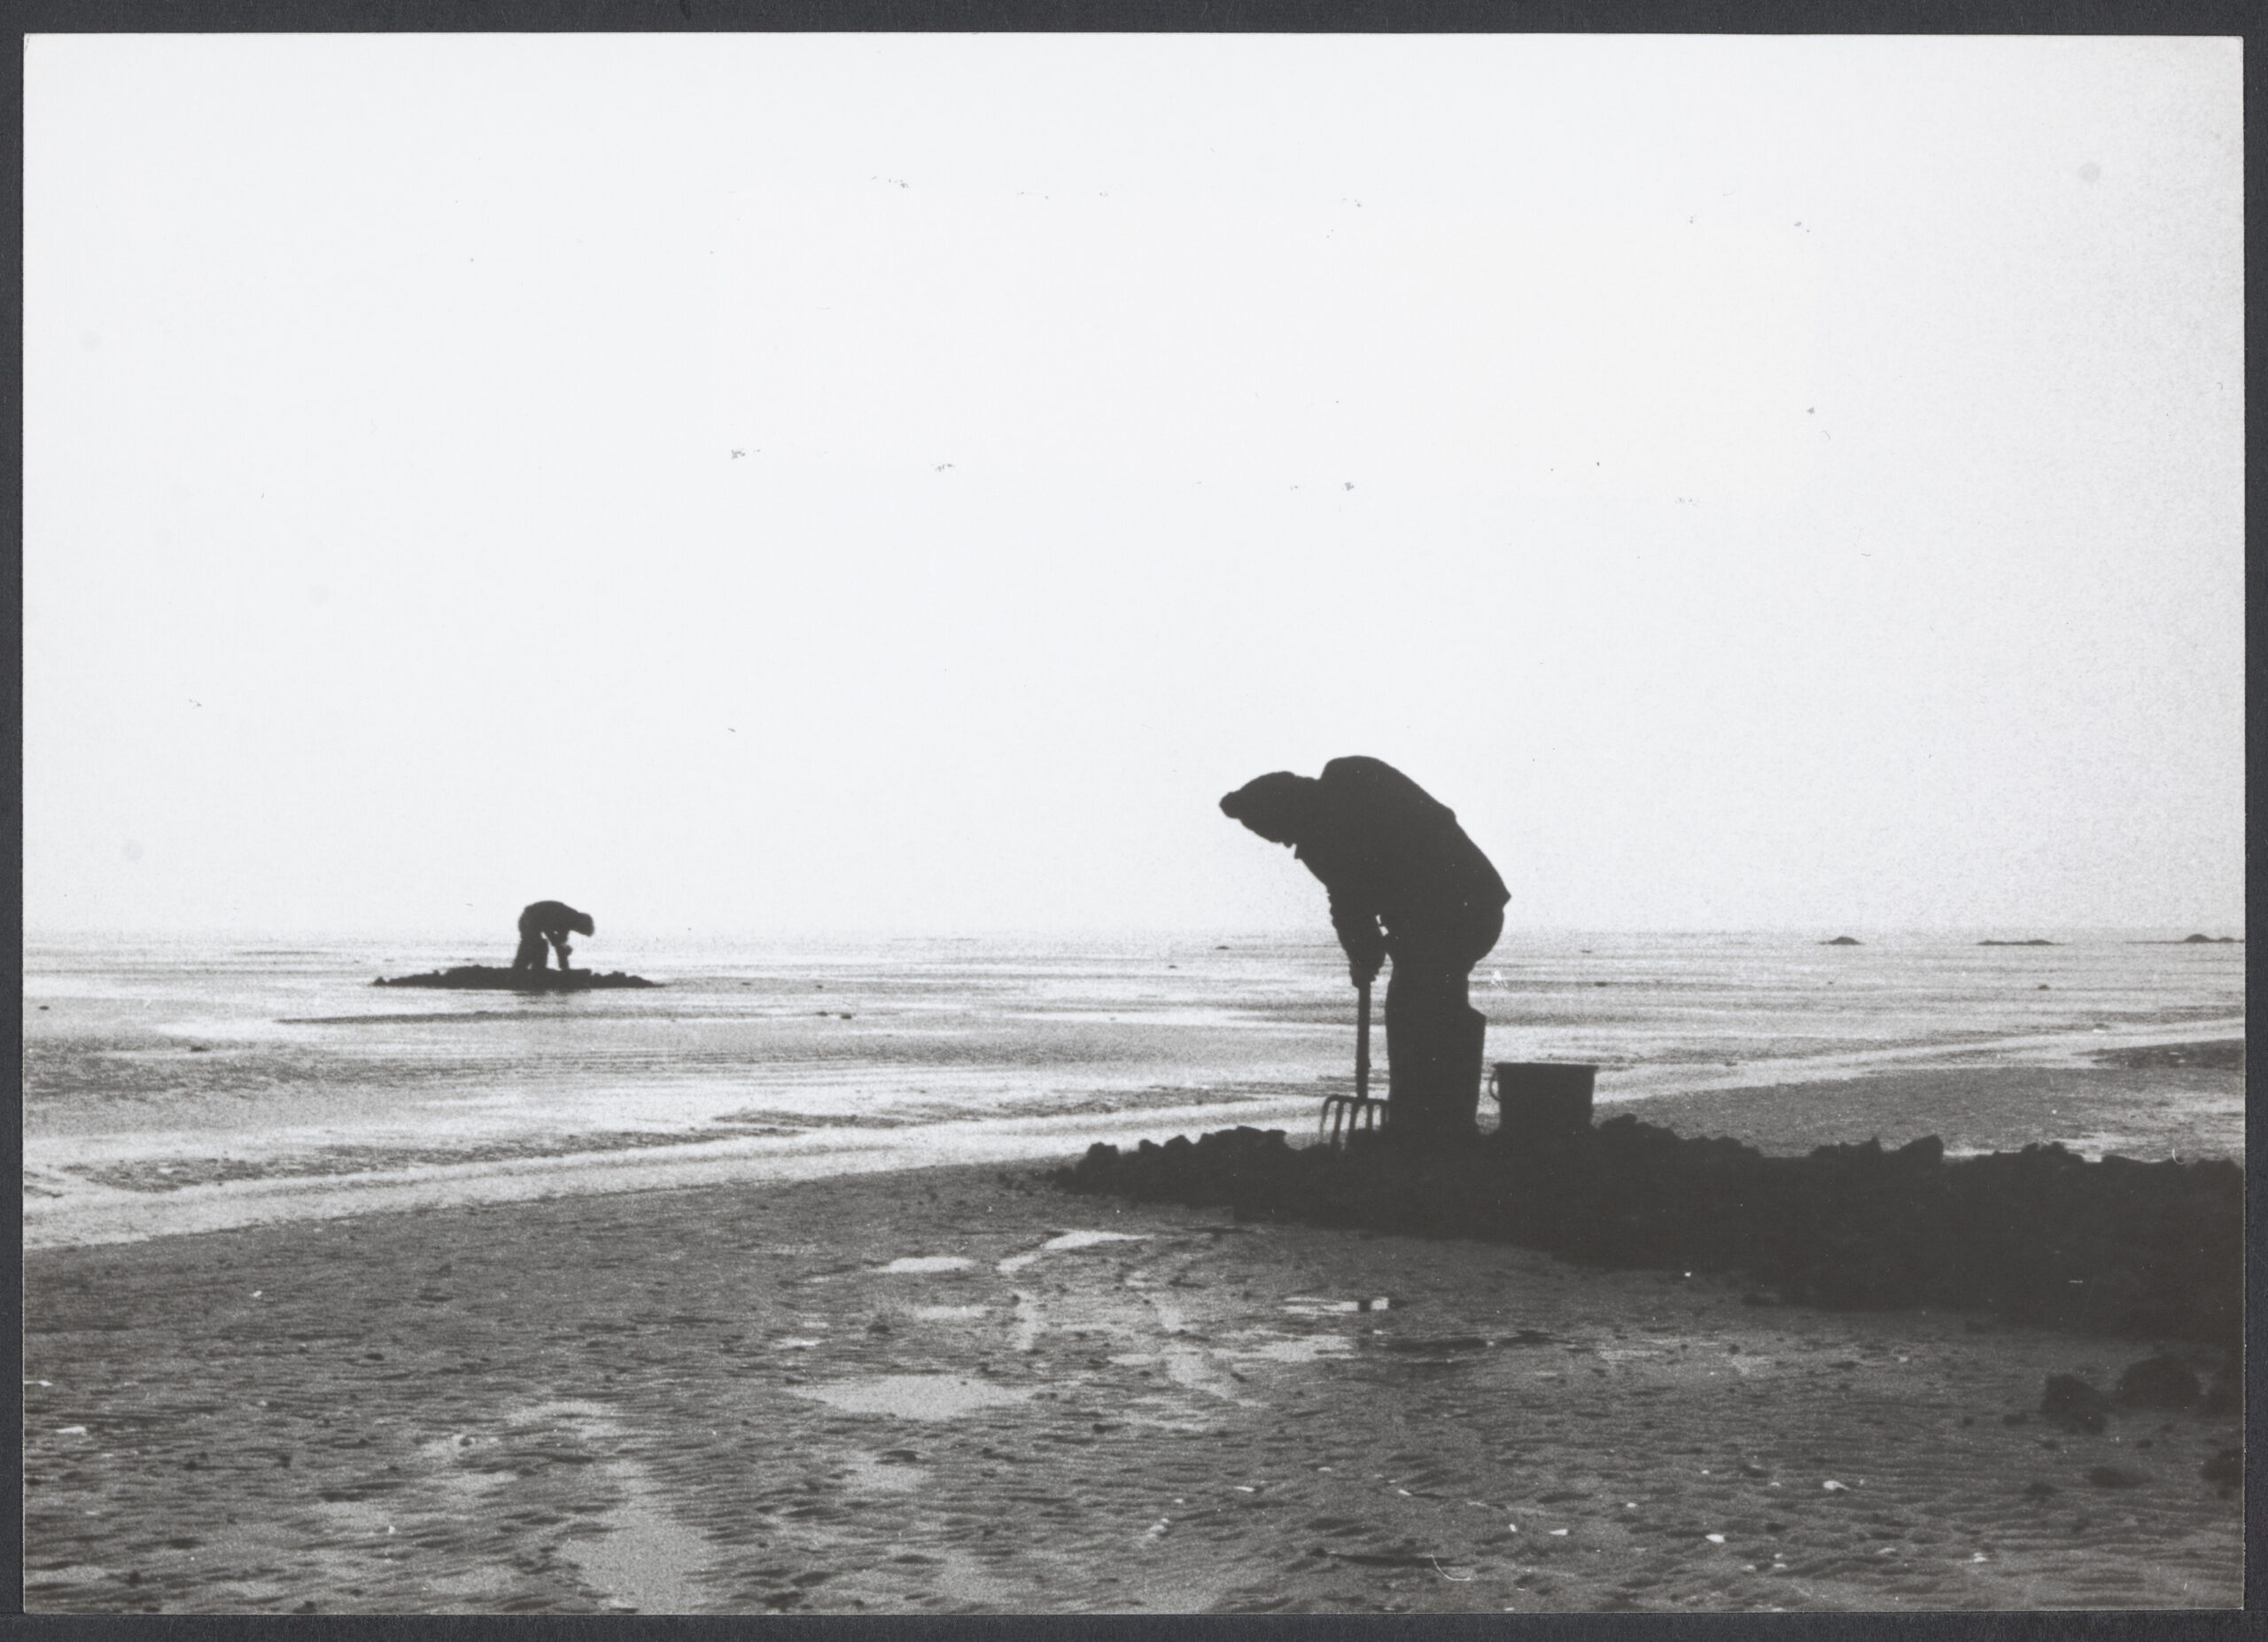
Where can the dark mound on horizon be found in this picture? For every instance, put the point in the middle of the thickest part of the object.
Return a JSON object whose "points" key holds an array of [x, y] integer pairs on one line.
{"points": [[2041, 1236], [480, 977]]}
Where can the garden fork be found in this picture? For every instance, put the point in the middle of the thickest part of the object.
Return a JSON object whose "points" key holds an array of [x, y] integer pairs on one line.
{"points": [[1344, 1114]]}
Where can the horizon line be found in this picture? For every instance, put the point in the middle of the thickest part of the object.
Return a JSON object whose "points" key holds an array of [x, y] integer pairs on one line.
{"points": [[1321, 936]]}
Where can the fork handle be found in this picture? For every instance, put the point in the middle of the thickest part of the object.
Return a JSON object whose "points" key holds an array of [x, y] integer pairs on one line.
{"points": [[1362, 1044]]}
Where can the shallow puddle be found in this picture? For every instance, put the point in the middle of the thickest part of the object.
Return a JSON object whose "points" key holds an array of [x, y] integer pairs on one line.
{"points": [[915, 1396], [645, 1558], [1319, 1305], [1063, 1244], [1088, 1240], [1298, 1348]]}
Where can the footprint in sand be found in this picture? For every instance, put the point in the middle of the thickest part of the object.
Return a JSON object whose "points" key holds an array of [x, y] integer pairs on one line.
{"points": [[1275, 1348]]}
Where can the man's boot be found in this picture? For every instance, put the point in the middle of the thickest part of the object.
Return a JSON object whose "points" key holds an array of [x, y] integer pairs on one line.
{"points": [[1435, 1081], [1461, 1073]]}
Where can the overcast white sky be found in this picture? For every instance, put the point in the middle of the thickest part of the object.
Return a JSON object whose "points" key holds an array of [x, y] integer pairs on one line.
{"points": [[736, 484]]}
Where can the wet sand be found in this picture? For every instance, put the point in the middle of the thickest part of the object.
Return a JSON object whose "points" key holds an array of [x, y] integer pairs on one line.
{"points": [[960, 1390], [2146, 1113]]}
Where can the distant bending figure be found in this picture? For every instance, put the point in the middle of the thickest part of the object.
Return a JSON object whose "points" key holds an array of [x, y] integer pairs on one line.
{"points": [[549, 921], [1405, 884]]}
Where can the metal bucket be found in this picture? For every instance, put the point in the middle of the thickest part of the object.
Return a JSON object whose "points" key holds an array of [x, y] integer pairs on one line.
{"points": [[1542, 1099]]}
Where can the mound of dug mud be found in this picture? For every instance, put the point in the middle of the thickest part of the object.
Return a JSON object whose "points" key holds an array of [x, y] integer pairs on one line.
{"points": [[2041, 1236], [480, 977]]}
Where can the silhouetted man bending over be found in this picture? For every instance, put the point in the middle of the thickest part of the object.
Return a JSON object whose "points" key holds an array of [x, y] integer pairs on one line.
{"points": [[1405, 884], [549, 921]]}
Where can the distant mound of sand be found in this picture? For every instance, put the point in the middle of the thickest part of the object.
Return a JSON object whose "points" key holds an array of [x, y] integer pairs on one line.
{"points": [[487, 978], [2040, 1235]]}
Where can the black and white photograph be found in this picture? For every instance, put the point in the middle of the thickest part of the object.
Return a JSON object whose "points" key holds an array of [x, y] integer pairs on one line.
{"points": [[993, 823]]}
